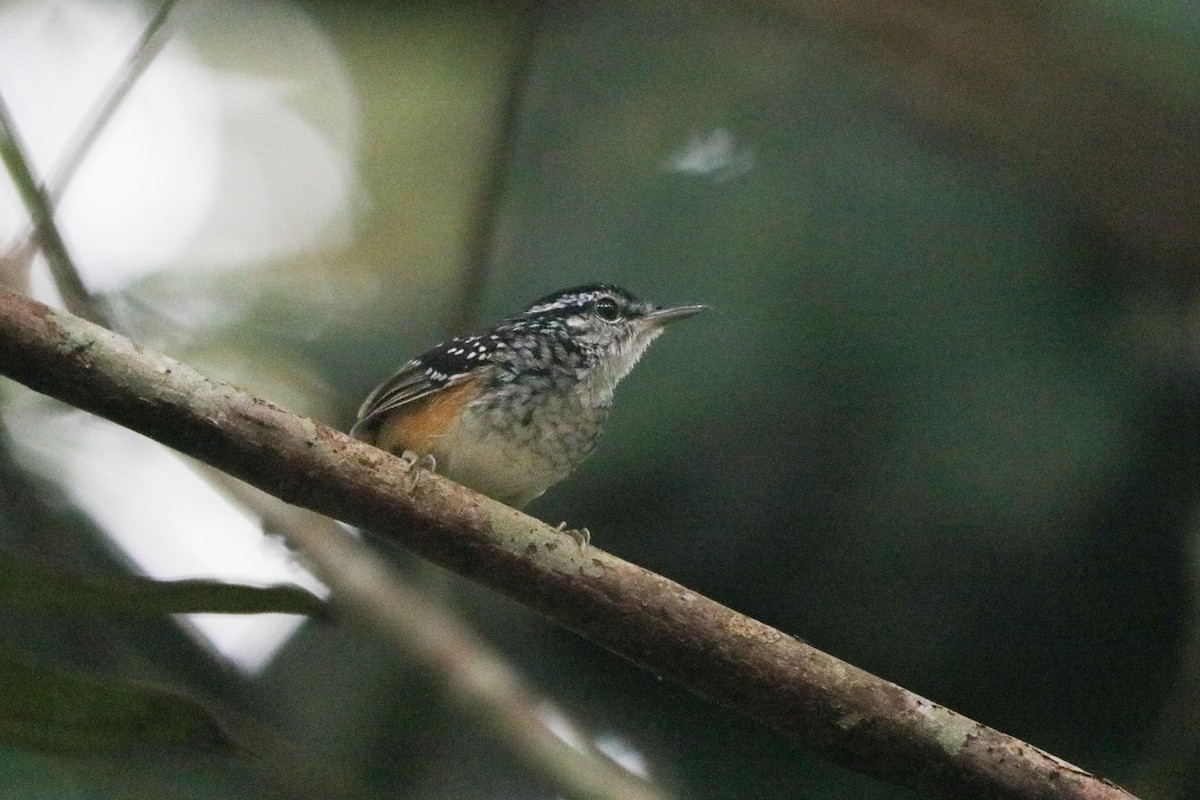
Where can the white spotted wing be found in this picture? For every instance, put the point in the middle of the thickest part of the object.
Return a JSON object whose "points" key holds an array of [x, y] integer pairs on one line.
{"points": [[442, 367]]}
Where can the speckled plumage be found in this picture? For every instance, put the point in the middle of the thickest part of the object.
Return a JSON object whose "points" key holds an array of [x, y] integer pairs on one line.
{"points": [[536, 390]]}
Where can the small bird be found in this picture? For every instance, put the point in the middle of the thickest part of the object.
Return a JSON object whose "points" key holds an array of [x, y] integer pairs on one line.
{"points": [[511, 411]]}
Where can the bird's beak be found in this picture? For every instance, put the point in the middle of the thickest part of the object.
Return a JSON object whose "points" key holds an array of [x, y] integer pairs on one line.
{"points": [[661, 316]]}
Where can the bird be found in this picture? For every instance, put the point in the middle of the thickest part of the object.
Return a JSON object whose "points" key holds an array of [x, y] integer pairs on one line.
{"points": [[512, 410]]}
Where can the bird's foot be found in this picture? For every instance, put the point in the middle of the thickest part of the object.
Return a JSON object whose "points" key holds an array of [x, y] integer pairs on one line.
{"points": [[413, 459], [582, 536]]}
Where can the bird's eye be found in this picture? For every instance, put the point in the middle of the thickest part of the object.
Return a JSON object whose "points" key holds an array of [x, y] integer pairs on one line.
{"points": [[607, 309]]}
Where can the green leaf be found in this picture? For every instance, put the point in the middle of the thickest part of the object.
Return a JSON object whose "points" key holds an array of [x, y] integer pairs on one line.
{"points": [[51, 710], [28, 586]]}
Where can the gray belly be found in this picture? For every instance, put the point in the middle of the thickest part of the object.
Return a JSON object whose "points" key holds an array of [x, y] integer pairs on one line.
{"points": [[516, 457]]}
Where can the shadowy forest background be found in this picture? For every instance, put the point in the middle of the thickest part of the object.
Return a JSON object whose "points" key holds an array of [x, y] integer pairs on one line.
{"points": [[942, 422]]}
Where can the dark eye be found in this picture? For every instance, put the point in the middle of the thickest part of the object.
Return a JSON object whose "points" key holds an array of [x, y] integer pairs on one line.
{"points": [[607, 310]]}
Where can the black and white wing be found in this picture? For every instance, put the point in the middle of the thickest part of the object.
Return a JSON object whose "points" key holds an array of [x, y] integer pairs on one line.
{"points": [[442, 367]]}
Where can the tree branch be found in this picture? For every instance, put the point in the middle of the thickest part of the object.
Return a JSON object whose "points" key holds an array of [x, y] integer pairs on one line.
{"points": [[472, 675], [852, 717]]}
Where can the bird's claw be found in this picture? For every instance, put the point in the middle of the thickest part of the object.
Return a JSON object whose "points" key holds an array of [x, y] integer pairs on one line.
{"points": [[582, 536], [411, 460]]}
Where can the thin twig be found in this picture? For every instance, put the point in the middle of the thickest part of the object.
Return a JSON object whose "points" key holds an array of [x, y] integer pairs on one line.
{"points": [[148, 46], [155, 36], [487, 205], [848, 715], [41, 212]]}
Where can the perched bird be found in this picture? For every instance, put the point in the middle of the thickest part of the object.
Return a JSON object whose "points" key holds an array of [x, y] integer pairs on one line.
{"points": [[511, 411]]}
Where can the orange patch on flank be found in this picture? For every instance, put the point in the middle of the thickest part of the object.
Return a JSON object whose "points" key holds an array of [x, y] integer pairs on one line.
{"points": [[418, 425]]}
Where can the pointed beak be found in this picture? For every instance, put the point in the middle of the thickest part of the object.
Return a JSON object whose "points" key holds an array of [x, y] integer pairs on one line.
{"points": [[661, 316]]}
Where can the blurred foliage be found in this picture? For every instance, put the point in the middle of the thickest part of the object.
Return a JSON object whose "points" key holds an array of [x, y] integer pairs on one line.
{"points": [[942, 421], [55, 711], [25, 586]]}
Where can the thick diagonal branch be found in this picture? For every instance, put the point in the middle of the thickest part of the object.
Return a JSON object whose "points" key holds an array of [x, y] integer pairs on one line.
{"points": [[851, 716]]}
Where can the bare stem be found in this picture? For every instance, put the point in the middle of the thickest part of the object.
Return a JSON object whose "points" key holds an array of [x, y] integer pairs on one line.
{"points": [[41, 212], [487, 204], [48, 194], [148, 46]]}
